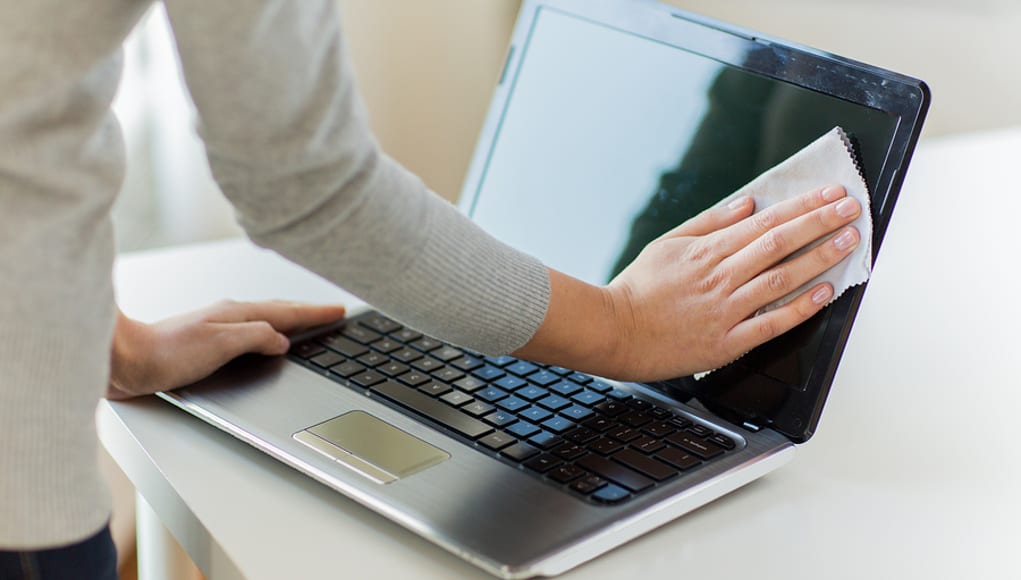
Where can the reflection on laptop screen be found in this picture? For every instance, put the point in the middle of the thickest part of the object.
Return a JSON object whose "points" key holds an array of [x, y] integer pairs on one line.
{"points": [[595, 157]]}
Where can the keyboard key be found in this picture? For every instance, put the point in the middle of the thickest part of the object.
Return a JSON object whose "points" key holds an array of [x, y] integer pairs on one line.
{"points": [[589, 398], [645, 465], [569, 451], [647, 444], [600, 424], [532, 393], [347, 368], [469, 384], [612, 408], [543, 463], [565, 473], [306, 350], [500, 418], [554, 402], [679, 422], [496, 440], [434, 389], [501, 361], [722, 441], [582, 435], [580, 378], [557, 425], [392, 368], [360, 334], [509, 383], [543, 378], [521, 368], [600, 386], [535, 414], [576, 413], [488, 373], [491, 394], [523, 429], [380, 324], [545, 440], [640, 404], [406, 335], [566, 388], [512, 404], [561, 370], [467, 363], [701, 430], [624, 433], [635, 419], [679, 459], [373, 359], [606, 446], [426, 344], [615, 472], [588, 484], [659, 429], [367, 378], [326, 359], [447, 374], [477, 408], [611, 494], [413, 378], [427, 364], [406, 355], [660, 413], [519, 451], [387, 345], [457, 398], [432, 409], [619, 395], [692, 444], [446, 353]]}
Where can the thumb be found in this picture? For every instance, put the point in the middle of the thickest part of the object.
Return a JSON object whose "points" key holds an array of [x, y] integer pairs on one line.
{"points": [[236, 339]]}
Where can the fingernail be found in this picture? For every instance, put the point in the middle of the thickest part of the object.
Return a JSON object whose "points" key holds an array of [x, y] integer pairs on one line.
{"points": [[739, 202], [847, 208], [822, 295], [833, 193], [283, 343], [845, 240]]}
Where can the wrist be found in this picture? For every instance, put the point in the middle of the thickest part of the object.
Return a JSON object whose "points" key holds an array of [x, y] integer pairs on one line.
{"points": [[127, 358]]}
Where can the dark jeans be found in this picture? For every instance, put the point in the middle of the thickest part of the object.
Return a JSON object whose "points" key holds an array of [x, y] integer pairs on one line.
{"points": [[91, 559]]}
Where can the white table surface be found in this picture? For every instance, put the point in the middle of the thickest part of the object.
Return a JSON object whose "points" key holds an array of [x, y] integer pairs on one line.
{"points": [[915, 471]]}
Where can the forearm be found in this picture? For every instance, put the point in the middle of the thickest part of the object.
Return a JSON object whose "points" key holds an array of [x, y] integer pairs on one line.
{"points": [[582, 328]]}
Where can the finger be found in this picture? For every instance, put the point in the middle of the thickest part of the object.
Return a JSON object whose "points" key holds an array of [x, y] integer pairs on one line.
{"points": [[791, 275], [786, 239], [286, 317], [238, 338], [714, 219], [756, 330], [745, 232]]}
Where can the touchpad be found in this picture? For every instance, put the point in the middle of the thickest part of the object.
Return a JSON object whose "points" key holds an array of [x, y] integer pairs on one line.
{"points": [[371, 446]]}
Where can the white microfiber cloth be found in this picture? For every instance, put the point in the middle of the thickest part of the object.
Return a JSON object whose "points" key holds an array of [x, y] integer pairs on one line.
{"points": [[829, 160]]}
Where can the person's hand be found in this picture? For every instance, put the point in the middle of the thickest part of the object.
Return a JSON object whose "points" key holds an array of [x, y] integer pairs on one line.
{"points": [[178, 351], [688, 302]]}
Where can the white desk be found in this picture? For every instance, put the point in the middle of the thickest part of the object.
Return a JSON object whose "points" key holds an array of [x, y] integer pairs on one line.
{"points": [[915, 471]]}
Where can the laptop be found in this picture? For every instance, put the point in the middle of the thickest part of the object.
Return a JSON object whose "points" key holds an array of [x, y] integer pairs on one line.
{"points": [[613, 121]]}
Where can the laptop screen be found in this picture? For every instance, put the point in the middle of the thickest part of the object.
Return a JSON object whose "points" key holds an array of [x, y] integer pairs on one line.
{"points": [[608, 139]]}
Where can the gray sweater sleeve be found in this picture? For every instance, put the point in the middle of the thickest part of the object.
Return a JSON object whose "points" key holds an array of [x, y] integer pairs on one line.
{"points": [[288, 141]]}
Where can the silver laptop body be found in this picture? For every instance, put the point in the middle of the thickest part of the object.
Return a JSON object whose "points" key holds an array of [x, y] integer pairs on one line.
{"points": [[597, 99]]}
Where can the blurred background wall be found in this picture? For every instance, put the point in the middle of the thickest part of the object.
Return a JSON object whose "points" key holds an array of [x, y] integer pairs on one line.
{"points": [[427, 69]]}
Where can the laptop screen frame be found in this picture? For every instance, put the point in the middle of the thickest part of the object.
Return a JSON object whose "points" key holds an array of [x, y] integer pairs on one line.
{"points": [[899, 95]]}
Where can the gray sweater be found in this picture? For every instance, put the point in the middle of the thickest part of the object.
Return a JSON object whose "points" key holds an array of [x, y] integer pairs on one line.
{"points": [[289, 144]]}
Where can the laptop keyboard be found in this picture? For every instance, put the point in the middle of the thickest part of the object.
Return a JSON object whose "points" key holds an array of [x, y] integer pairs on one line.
{"points": [[571, 430]]}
